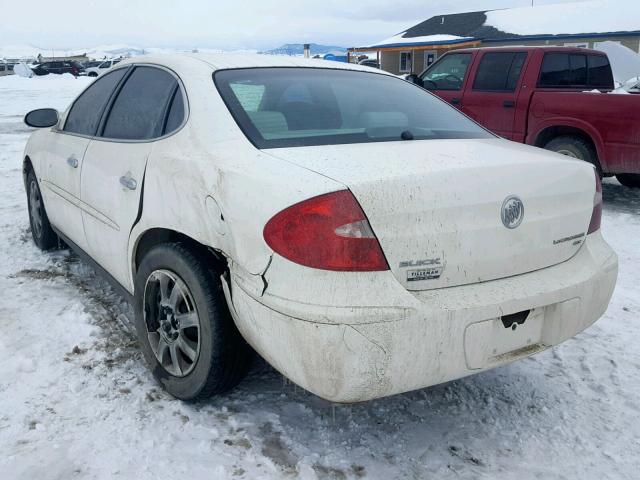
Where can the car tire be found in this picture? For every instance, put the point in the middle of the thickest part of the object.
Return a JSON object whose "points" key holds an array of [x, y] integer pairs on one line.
{"points": [[43, 235], [631, 180], [192, 362], [575, 147], [92, 74]]}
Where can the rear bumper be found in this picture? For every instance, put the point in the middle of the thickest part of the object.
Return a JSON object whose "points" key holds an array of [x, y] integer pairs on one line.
{"points": [[441, 335]]}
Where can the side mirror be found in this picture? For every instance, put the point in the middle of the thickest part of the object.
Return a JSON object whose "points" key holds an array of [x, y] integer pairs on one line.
{"points": [[42, 118], [415, 79]]}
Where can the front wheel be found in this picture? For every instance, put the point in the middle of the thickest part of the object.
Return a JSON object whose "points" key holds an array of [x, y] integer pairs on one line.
{"points": [[43, 235], [184, 326], [629, 179]]}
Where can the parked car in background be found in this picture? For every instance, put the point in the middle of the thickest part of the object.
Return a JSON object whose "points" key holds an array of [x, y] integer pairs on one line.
{"points": [[632, 86], [368, 62], [363, 236], [6, 69], [548, 97], [58, 67], [92, 64], [101, 67]]}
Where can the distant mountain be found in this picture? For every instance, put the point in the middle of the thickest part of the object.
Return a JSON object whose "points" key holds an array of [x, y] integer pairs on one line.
{"points": [[298, 49]]}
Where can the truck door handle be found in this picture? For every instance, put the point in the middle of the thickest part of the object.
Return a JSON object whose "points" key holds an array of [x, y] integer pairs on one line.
{"points": [[127, 182], [72, 161], [455, 101], [509, 104]]}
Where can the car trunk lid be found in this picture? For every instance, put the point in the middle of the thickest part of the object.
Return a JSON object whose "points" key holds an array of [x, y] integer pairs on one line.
{"points": [[447, 212]]}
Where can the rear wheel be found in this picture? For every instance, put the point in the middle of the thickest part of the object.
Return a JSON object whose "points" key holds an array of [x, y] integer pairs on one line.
{"points": [[574, 147], [629, 179], [43, 235], [184, 326]]}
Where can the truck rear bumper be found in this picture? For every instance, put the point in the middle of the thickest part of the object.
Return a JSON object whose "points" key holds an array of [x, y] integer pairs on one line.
{"points": [[453, 333]]}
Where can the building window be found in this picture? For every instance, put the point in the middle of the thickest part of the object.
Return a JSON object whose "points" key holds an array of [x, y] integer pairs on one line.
{"points": [[577, 45], [430, 56], [405, 62]]}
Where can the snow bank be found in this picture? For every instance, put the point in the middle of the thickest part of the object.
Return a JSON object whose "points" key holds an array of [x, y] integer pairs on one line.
{"points": [[77, 402], [624, 61], [568, 18]]}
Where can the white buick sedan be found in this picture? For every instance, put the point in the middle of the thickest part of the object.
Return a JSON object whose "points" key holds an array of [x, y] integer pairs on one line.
{"points": [[359, 233]]}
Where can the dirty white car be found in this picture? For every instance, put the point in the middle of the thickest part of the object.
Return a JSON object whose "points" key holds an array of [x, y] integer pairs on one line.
{"points": [[359, 233]]}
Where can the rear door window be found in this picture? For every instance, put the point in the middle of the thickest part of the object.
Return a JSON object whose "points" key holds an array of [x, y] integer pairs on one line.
{"points": [[84, 116], [499, 71], [176, 113], [139, 110]]}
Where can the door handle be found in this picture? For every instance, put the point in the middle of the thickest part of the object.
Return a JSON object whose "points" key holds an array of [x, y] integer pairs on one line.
{"points": [[455, 101], [509, 104], [127, 182], [72, 161]]}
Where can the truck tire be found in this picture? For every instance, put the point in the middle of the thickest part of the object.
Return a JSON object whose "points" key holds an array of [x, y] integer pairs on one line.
{"points": [[575, 147], [183, 324], [629, 179], [43, 235]]}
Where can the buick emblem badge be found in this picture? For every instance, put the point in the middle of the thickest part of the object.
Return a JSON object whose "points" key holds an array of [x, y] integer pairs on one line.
{"points": [[512, 212]]}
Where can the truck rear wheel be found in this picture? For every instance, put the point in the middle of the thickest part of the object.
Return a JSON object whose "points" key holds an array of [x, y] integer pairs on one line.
{"points": [[629, 179], [575, 147]]}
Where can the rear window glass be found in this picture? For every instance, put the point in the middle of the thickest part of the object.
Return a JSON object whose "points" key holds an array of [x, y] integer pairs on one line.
{"points": [[563, 70], [285, 107], [600, 74]]}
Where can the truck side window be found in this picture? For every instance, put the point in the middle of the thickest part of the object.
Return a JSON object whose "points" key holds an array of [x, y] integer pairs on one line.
{"points": [[499, 72], [447, 73]]}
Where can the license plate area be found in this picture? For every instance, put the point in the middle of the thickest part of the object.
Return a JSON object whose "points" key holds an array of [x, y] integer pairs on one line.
{"points": [[504, 339]]}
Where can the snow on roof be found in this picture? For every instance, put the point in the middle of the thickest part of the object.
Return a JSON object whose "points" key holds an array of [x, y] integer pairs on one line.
{"points": [[597, 16], [400, 39], [594, 17]]}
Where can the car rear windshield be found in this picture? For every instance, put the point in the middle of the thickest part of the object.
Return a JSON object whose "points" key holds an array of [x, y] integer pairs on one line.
{"points": [[289, 107]]}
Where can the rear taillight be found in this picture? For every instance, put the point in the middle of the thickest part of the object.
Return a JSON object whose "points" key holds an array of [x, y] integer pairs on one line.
{"points": [[596, 216], [329, 232]]}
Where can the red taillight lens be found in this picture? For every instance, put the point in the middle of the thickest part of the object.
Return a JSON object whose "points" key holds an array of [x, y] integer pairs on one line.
{"points": [[329, 232], [596, 216]]}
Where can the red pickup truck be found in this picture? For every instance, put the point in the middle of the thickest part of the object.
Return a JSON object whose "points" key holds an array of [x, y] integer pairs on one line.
{"points": [[556, 98]]}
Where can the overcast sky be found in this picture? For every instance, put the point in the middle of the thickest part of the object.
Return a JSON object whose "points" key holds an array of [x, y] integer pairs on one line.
{"points": [[227, 24]]}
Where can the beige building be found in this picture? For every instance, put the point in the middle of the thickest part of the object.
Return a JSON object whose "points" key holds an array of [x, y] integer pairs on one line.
{"points": [[569, 24]]}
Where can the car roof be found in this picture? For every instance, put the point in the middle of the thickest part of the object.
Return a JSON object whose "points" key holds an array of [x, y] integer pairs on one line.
{"points": [[224, 61]]}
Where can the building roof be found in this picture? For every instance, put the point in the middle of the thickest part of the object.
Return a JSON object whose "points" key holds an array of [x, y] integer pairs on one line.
{"points": [[596, 18]]}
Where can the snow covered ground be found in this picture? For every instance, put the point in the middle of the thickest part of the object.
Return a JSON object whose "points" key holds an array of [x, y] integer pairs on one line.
{"points": [[77, 402]]}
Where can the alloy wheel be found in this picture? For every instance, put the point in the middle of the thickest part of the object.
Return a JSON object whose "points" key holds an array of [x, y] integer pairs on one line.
{"points": [[35, 209], [173, 324]]}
